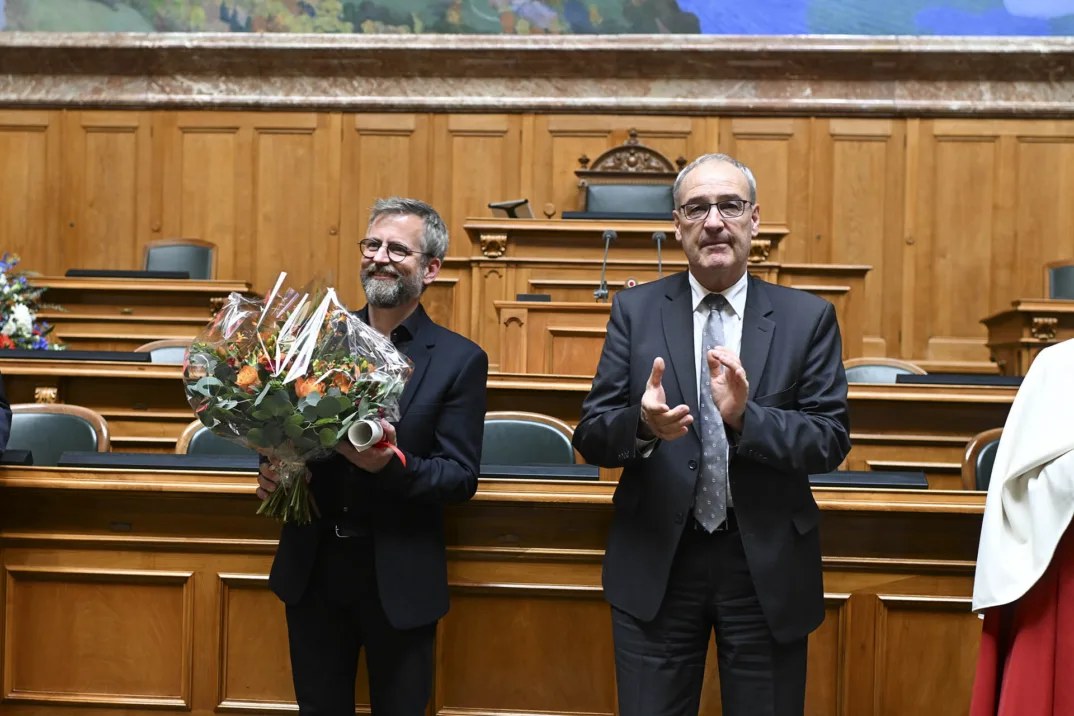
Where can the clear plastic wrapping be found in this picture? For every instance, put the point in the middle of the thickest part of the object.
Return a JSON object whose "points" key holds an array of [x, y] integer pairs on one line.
{"points": [[287, 376]]}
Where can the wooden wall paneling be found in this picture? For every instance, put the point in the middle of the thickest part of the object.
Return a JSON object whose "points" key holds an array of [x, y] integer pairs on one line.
{"points": [[106, 188], [296, 199], [941, 675], [489, 282], [205, 188], [101, 637], [476, 160], [777, 152], [1036, 201], [533, 623], [909, 328], [559, 140], [857, 212], [31, 145], [959, 167], [383, 155]]}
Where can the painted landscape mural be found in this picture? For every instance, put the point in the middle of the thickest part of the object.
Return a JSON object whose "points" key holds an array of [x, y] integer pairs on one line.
{"points": [[753, 17]]}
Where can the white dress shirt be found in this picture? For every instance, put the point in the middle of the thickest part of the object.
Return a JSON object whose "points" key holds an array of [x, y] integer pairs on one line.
{"points": [[731, 317]]}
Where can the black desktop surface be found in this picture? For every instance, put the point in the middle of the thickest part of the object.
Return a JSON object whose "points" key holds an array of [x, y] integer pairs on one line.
{"points": [[121, 356], [17, 457], [617, 215], [871, 479], [158, 461], [124, 273], [960, 379], [541, 472]]}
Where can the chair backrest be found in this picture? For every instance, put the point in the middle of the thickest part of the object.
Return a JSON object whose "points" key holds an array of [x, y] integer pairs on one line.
{"points": [[49, 430], [979, 458], [194, 256], [167, 350], [629, 178], [629, 198], [878, 370], [519, 438], [1059, 276], [199, 440]]}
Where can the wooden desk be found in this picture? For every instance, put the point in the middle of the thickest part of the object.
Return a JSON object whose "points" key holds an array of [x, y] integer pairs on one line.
{"points": [[563, 259], [168, 573], [893, 427], [122, 314], [1018, 334]]}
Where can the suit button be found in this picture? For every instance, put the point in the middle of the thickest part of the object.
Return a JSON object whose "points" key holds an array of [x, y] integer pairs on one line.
{"points": [[692, 464], [678, 518]]}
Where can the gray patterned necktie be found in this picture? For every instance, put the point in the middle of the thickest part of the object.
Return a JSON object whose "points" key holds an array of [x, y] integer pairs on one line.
{"points": [[710, 494]]}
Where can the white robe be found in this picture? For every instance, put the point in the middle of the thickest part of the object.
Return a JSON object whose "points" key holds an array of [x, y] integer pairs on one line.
{"points": [[1030, 499]]}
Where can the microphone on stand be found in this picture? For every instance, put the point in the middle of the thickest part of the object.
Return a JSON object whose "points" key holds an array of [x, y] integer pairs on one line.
{"points": [[659, 238], [602, 292]]}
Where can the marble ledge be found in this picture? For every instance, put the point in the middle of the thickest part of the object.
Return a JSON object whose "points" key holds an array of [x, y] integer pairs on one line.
{"points": [[576, 57], [709, 97]]}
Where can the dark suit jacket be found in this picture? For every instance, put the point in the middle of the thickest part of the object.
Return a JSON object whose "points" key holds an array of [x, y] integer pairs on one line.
{"points": [[443, 418], [796, 424], [5, 418]]}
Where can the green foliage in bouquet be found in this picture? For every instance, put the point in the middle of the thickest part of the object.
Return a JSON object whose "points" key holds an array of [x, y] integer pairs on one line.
{"points": [[238, 392]]}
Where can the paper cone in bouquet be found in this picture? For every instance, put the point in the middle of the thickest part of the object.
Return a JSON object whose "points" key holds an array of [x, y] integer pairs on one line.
{"points": [[289, 376]]}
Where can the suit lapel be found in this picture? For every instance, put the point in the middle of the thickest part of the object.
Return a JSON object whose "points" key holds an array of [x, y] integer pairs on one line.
{"points": [[419, 354], [757, 331], [678, 320]]}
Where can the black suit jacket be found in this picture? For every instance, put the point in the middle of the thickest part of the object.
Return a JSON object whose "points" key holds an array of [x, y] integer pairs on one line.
{"points": [[5, 418], [796, 424], [440, 433]]}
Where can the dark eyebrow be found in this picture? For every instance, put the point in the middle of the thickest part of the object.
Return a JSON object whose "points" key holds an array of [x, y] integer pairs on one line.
{"points": [[719, 198]]}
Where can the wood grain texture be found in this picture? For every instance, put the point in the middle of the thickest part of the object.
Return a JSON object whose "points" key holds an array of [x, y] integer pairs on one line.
{"points": [[955, 217], [144, 592]]}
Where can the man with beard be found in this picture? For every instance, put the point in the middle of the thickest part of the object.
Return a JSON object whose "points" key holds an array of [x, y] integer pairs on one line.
{"points": [[371, 569], [718, 394]]}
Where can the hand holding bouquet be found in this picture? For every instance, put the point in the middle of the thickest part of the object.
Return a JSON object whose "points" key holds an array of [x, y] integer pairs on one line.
{"points": [[288, 376]]}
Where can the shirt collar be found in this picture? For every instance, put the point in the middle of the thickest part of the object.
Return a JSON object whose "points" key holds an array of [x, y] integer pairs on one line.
{"points": [[735, 294], [404, 331]]}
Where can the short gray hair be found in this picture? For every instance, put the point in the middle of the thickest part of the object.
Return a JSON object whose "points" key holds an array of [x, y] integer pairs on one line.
{"points": [[434, 240], [705, 158]]}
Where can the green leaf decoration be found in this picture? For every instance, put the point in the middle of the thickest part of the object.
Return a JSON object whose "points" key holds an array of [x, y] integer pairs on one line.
{"points": [[328, 408], [292, 431], [261, 396], [333, 392], [328, 438]]}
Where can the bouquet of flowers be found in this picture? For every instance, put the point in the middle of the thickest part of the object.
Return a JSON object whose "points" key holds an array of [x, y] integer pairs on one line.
{"points": [[288, 376], [19, 305]]}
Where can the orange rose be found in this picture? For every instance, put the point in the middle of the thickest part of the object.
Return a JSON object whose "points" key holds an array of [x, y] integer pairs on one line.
{"points": [[248, 378], [304, 386], [343, 382]]}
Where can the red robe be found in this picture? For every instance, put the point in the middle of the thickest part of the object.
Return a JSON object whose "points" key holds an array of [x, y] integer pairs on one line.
{"points": [[1026, 663]]}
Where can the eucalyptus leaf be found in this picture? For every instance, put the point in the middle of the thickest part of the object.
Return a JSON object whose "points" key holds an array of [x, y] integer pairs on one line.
{"points": [[261, 396], [313, 398], [328, 438], [333, 392], [328, 408]]}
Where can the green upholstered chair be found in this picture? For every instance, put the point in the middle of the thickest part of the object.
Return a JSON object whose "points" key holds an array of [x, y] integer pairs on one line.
{"points": [[1059, 278], [979, 458], [518, 438], [878, 370], [199, 440], [629, 198], [168, 350], [196, 257], [49, 430], [628, 179]]}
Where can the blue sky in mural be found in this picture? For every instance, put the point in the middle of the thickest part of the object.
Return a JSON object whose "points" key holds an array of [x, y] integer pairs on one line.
{"points": [[715, 17]]}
